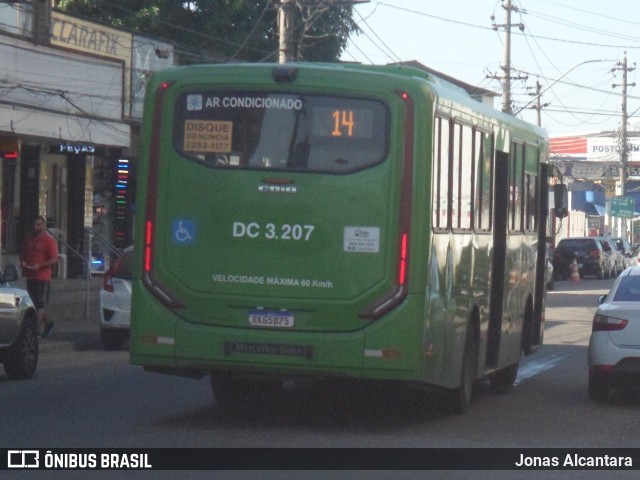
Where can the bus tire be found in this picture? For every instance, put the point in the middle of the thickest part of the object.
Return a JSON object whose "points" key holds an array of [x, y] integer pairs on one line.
{"points": [[461, 396], [502, 380]]}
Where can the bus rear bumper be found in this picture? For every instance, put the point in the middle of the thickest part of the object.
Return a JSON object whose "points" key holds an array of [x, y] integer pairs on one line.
{"points": [[199, 349]]}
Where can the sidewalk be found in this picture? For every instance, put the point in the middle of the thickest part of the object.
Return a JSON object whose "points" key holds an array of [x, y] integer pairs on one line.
{"points": [[67, 307]]}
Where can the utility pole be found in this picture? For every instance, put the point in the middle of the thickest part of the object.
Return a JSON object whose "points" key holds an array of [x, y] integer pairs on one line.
{"points": [[538, 105], [41, 21], [624, 151], [286, 27], [506, 62], [286, 18]]}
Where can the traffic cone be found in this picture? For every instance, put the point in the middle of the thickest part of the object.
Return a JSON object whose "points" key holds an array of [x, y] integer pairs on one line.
{"points": [[575, 274]]}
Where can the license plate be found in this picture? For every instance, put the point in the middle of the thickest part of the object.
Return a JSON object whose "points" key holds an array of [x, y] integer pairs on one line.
{"points": [[271, 319]]}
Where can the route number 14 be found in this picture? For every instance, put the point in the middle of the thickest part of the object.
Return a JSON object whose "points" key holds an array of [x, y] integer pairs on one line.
{"points": [[342, 119]]}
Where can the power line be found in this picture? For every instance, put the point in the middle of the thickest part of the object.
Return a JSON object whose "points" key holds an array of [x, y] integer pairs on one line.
{"points": [[394, 57], [481, 27]]}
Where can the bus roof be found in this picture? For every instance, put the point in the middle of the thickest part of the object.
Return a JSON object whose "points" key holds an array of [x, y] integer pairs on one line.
{"points": [[444, 89]]}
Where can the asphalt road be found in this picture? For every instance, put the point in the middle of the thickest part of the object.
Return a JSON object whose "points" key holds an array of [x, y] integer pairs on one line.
{"points": [[83, 396]]}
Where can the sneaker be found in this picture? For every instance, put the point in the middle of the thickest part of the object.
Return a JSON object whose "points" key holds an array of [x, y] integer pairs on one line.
{"points": [[48, 329]]}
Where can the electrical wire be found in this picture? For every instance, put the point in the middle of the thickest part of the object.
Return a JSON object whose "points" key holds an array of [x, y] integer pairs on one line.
{"points": [[481, 27], [393, 56]]}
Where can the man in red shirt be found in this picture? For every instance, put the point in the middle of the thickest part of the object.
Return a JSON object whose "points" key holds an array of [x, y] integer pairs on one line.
{"points": [[38, 256]]}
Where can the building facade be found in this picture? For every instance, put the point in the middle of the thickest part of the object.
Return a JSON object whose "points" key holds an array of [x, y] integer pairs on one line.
{"points": [[591, 165], [70, 114]]}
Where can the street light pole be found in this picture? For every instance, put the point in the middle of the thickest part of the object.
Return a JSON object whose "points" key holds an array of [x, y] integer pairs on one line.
{"points": [[624, 152], [540, 92]]}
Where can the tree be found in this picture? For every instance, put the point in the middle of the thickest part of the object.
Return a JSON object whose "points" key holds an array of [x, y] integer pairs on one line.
{"points": [[226, 30]]}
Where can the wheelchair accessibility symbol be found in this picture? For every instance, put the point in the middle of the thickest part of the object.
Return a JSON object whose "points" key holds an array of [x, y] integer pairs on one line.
{"points": [[184, 231]]}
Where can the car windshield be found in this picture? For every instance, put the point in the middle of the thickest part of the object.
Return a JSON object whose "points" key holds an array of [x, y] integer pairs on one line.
{"points": [[628, 290], [577, 244]]}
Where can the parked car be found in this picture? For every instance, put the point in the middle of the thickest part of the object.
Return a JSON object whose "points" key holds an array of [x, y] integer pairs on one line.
{"points": [[589, 253], [634, 259], [549, 277], [18, 329], [618, 263], [614, 346], [115, 302], [625, 248]]}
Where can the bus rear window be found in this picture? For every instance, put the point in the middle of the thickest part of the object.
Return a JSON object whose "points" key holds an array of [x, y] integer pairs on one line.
{"points": [[275, 131]]}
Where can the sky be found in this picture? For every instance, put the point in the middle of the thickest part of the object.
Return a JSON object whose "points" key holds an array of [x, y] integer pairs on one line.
{"points": [[574, 48]]}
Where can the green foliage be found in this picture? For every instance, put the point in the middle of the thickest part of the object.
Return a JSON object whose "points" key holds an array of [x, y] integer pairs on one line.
{"points": [[225, 30]]}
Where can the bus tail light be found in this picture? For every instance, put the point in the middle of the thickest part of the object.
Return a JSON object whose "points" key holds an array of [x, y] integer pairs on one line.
{"points": [[149, 279], [402, 264], [399, 292], [148, 238]]}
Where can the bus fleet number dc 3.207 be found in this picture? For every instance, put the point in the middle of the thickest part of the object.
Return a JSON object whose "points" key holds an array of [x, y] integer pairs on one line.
{"points": [[272, 231]]}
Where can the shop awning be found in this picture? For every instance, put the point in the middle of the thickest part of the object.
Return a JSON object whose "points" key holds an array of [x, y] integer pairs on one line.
{"points": [[594, 209]]}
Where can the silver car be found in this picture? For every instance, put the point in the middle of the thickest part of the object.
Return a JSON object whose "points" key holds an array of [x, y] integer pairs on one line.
{"points": [[18, 329], [615, 256], [614, 347], [115, 302]]}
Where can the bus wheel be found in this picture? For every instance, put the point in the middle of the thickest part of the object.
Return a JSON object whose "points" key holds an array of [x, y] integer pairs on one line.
{"points": [[502, 380], [461, 396]]}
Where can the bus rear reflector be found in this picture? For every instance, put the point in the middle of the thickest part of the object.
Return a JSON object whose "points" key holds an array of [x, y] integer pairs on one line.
{"points": [[151, 339], [386, 354]]}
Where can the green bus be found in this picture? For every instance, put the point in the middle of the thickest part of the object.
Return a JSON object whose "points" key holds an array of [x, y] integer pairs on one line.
{"points": [[325, 221]]}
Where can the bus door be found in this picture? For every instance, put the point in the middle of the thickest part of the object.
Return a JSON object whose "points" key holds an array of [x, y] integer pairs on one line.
{"points": [[498, 257], [542, 258]]}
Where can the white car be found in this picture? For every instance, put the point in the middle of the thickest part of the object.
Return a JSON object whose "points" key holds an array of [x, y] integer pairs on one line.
{"points": [[18, 329], [614, 347], [115, 302]]}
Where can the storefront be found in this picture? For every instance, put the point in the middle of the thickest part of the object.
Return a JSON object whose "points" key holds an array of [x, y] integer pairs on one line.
{"points": [[83, 191], [69, 119]]}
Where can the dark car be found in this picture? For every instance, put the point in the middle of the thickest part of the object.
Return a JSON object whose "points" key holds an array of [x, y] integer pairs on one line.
{"points": [[18, 329], [591, 257]]}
